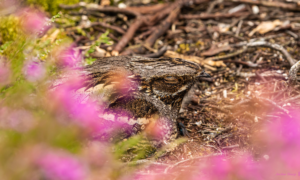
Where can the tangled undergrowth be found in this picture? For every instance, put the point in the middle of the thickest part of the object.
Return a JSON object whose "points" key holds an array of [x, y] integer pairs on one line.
{"points": [[246, 127]]}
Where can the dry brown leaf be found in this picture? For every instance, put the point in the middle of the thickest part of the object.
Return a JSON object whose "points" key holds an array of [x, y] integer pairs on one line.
{"points": [[105, 3], [265, 27], [210, 67], [98, 53], [215, 63], [196, 59]]}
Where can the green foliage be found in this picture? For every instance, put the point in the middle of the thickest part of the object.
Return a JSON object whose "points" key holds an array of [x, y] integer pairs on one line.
{"points": [[55, 17], [10, 28], [135, 148], [4, 46], [22, 95], [67, 21], [90, 60], [169, 147], [43, 48], [16, 47], [13, 51], [102, 39], [48, 125]]}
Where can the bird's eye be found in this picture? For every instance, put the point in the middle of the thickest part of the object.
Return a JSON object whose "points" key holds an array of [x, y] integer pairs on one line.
{"points": [[171, 80]]}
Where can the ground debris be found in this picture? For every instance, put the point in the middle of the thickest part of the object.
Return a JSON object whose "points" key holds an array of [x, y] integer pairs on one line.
{"points": [[249, 71]]}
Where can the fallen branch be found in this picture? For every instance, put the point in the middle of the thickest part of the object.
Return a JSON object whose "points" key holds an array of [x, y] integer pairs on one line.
{"points": [[97, 8], [213, 16], [145, 17], [276, 4], [212, 5], [292, 98], [273, 46], [156, 54], [245, 46], [247, 63], [148, 9], [218, 58], [140, 21], [115, 28], [111, 9], [230, 147], [293, 73], [171, 11], [274, 105], [128, 35], [164, 26]]}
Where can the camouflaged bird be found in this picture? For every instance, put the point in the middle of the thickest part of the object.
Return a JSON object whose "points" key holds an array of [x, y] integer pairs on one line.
{"points": [[146, 86]]}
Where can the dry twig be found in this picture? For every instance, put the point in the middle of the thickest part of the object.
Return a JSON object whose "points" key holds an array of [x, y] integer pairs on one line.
{"points": [[187, 160], [276, 4], [213, 16], [293, 73]]}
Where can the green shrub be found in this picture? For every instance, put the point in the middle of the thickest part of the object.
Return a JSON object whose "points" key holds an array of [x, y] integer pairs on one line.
{"points": [[9, 28]]}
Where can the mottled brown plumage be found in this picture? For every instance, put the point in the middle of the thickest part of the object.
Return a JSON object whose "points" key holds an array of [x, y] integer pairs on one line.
{"points": [[145, 86]]}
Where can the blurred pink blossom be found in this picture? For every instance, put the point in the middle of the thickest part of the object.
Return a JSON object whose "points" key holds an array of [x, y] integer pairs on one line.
{"points": [[153, 176], [281, 144], [33, 21], [86, 114], [16, 119], [61, 166], [154, 172], [9, 5], [70, 100], [219, 168], [5, 74], [67, 102], [222, 167], [34, 71], [69, 57], [64, 97]]}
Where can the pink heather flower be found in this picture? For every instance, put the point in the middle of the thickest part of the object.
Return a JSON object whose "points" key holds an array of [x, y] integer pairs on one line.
{"points": [[61, 166], [69, 57], [86, 114], [245, 167], [155, 176], [222, 167], [65, 97], [219, 168], [80, 109], [67, 102], [282, 145], [34, 71], [5, 74], [33, 21]]}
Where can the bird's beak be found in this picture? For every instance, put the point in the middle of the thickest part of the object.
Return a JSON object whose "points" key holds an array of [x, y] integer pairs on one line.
{"points": [[204, 74]]}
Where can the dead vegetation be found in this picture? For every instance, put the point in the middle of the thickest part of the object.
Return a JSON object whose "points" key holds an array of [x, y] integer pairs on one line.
{"points": [[248, 47]]}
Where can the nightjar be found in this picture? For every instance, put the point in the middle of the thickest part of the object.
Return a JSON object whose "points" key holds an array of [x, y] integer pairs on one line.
{"points": [[142, 89]]}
